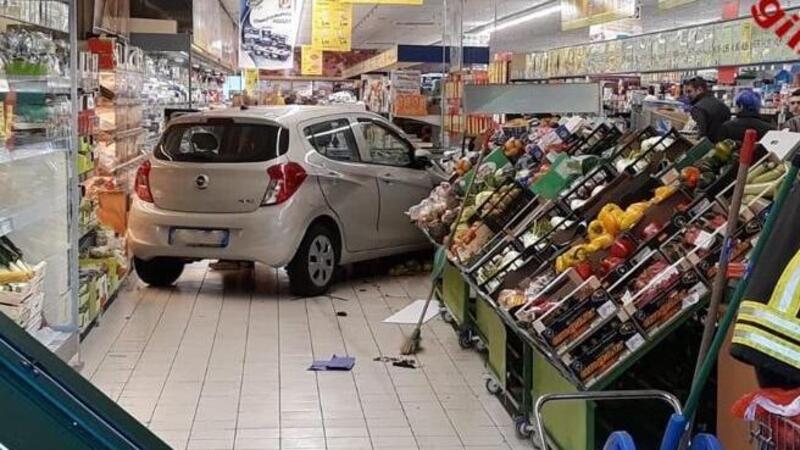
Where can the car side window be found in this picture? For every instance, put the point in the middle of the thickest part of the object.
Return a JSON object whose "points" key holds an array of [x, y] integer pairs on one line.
{"points": [[333, 139], [384, 146]]}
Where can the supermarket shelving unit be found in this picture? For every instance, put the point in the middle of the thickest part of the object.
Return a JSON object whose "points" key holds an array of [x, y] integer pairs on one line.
{"points": [[38, 195]]}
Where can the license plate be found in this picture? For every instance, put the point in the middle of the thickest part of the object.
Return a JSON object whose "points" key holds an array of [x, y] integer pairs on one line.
{"points": [[196, 237]]}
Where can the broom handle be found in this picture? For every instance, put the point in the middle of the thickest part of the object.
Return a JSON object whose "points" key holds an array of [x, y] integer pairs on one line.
{"points": [[452, 234], [721, 277], [702, 376]]}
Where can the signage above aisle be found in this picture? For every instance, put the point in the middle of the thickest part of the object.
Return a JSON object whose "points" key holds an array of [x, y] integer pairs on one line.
{"points": [[532, 98], [667, 4], [311, 63], [403, 56], [332, 25], [267, 34], [708, 46], [579, 13]]}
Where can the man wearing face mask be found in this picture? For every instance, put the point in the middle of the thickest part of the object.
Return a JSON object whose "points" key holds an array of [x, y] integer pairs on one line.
{"points": [[793, 124], [707, 111]]}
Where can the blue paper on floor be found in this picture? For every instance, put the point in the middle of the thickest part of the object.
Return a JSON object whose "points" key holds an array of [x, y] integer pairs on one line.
{"points": [[335, 363]]}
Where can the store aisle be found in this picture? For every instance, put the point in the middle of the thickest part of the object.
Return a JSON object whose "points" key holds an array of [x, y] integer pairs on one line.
{"points": [[219, 362]]}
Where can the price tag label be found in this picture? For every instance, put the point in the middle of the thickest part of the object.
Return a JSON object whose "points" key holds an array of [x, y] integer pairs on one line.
{"points": [[6, 226], [701, 206], [704, 240], [607, 309], [627, 297], [695, 293], [670, 177], [635, 342]]}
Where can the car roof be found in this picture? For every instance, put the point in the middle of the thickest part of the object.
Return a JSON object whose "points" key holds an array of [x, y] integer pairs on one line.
{"points": [[285, 115]]}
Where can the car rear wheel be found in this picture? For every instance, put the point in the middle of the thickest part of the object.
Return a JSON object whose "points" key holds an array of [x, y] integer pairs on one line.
{"points": [[313, 268], [159, 271]]}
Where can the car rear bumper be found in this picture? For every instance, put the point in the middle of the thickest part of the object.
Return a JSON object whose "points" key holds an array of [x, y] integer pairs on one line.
{"points": [[269, 235]]}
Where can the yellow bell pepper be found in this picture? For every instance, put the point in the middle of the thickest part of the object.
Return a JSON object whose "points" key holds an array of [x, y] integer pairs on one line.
{"points": [[603, 241], [630, 219], [664, 192], [561, 265], [596, 228]]}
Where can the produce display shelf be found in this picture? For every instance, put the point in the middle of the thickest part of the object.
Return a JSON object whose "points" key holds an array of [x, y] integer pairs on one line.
{"points": [[111, 297], [16, 220], [35, 25], [23, 152]]}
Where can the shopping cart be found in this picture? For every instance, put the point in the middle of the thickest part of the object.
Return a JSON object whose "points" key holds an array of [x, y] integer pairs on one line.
{"points": [[621, 440], [772, 432]]}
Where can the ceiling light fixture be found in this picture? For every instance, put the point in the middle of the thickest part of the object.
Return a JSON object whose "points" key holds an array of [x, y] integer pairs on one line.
{"points": [[542, 9], [526, 18]]}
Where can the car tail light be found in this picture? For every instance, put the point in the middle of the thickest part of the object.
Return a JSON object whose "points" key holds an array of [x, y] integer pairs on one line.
{"points": [[142, 183], [284, 181]]}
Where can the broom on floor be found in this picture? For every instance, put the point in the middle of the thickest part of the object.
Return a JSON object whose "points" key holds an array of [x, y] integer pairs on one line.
{"points": [[411, 343]]}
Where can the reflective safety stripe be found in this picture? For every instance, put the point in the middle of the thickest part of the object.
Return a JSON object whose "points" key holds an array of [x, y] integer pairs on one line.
{"points": [[768, 344], [786, 297], [764, 315]]}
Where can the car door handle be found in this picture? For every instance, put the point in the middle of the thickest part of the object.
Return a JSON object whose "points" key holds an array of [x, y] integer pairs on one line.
{"points": [[387, 178]]}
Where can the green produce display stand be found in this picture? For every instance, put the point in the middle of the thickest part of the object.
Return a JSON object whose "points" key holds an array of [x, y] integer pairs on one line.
{"points": [[455, 294], [569, 424], [493, 332], [47, 405]]}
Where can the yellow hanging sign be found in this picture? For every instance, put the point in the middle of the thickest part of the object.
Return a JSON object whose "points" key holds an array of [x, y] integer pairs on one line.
{"points": [[311, 62], [332, 25], [389, 2], [250, 80]]}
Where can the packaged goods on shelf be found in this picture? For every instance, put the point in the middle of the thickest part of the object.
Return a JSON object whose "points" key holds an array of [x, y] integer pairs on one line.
{"points": [[21, 286]]}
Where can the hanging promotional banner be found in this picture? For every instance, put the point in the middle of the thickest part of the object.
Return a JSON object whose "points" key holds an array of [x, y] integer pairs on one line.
{"points": [[388, 2], [581, 13], [331, 25], [268, 29], [250, 80], [311, 60]]}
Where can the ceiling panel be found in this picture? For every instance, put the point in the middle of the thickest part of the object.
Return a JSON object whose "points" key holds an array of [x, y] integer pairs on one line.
{"points": [[381, 26]]}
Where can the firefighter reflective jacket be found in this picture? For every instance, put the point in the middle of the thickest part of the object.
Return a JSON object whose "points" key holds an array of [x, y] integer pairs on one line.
{"points": [[767, 330]]}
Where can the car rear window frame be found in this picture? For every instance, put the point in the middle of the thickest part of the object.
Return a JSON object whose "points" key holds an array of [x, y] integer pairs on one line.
{"points": [[282, 138]]}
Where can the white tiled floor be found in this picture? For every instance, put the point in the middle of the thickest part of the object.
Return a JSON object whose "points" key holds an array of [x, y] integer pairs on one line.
{"points": [[219, 362]]}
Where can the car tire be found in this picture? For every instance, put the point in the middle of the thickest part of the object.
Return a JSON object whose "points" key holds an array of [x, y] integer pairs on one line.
{"points": [[313, 268], [159, 271]]}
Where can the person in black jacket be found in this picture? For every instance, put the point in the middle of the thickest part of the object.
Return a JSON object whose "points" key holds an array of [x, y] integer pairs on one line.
{"points": [[749, 103], [707, 111]]}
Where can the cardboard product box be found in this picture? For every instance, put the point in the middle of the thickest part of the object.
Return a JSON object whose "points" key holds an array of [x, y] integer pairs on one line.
{"points": [[607, 346], [573, 316]]}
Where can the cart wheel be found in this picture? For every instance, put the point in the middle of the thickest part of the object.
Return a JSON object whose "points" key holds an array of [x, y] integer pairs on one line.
{"points": [[465, 339], [492, 386], [480, 345], [447, 317], [523, 426]]}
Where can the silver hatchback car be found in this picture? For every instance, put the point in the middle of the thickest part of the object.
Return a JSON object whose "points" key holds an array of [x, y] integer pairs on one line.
{"points": [[301, 187]]}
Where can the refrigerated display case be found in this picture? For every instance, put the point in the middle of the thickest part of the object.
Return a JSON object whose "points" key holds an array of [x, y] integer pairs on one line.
{"points": [[38, 187]]}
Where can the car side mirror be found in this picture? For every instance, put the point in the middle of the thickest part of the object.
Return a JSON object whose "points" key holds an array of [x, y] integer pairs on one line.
{"points": [[422, 158]]}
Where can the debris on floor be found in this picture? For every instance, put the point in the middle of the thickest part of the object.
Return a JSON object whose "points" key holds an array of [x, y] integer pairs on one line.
{"points": [[335, 363], [224, 264], [410, 314], [341, 313], [408, 363], [410, 267]]}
